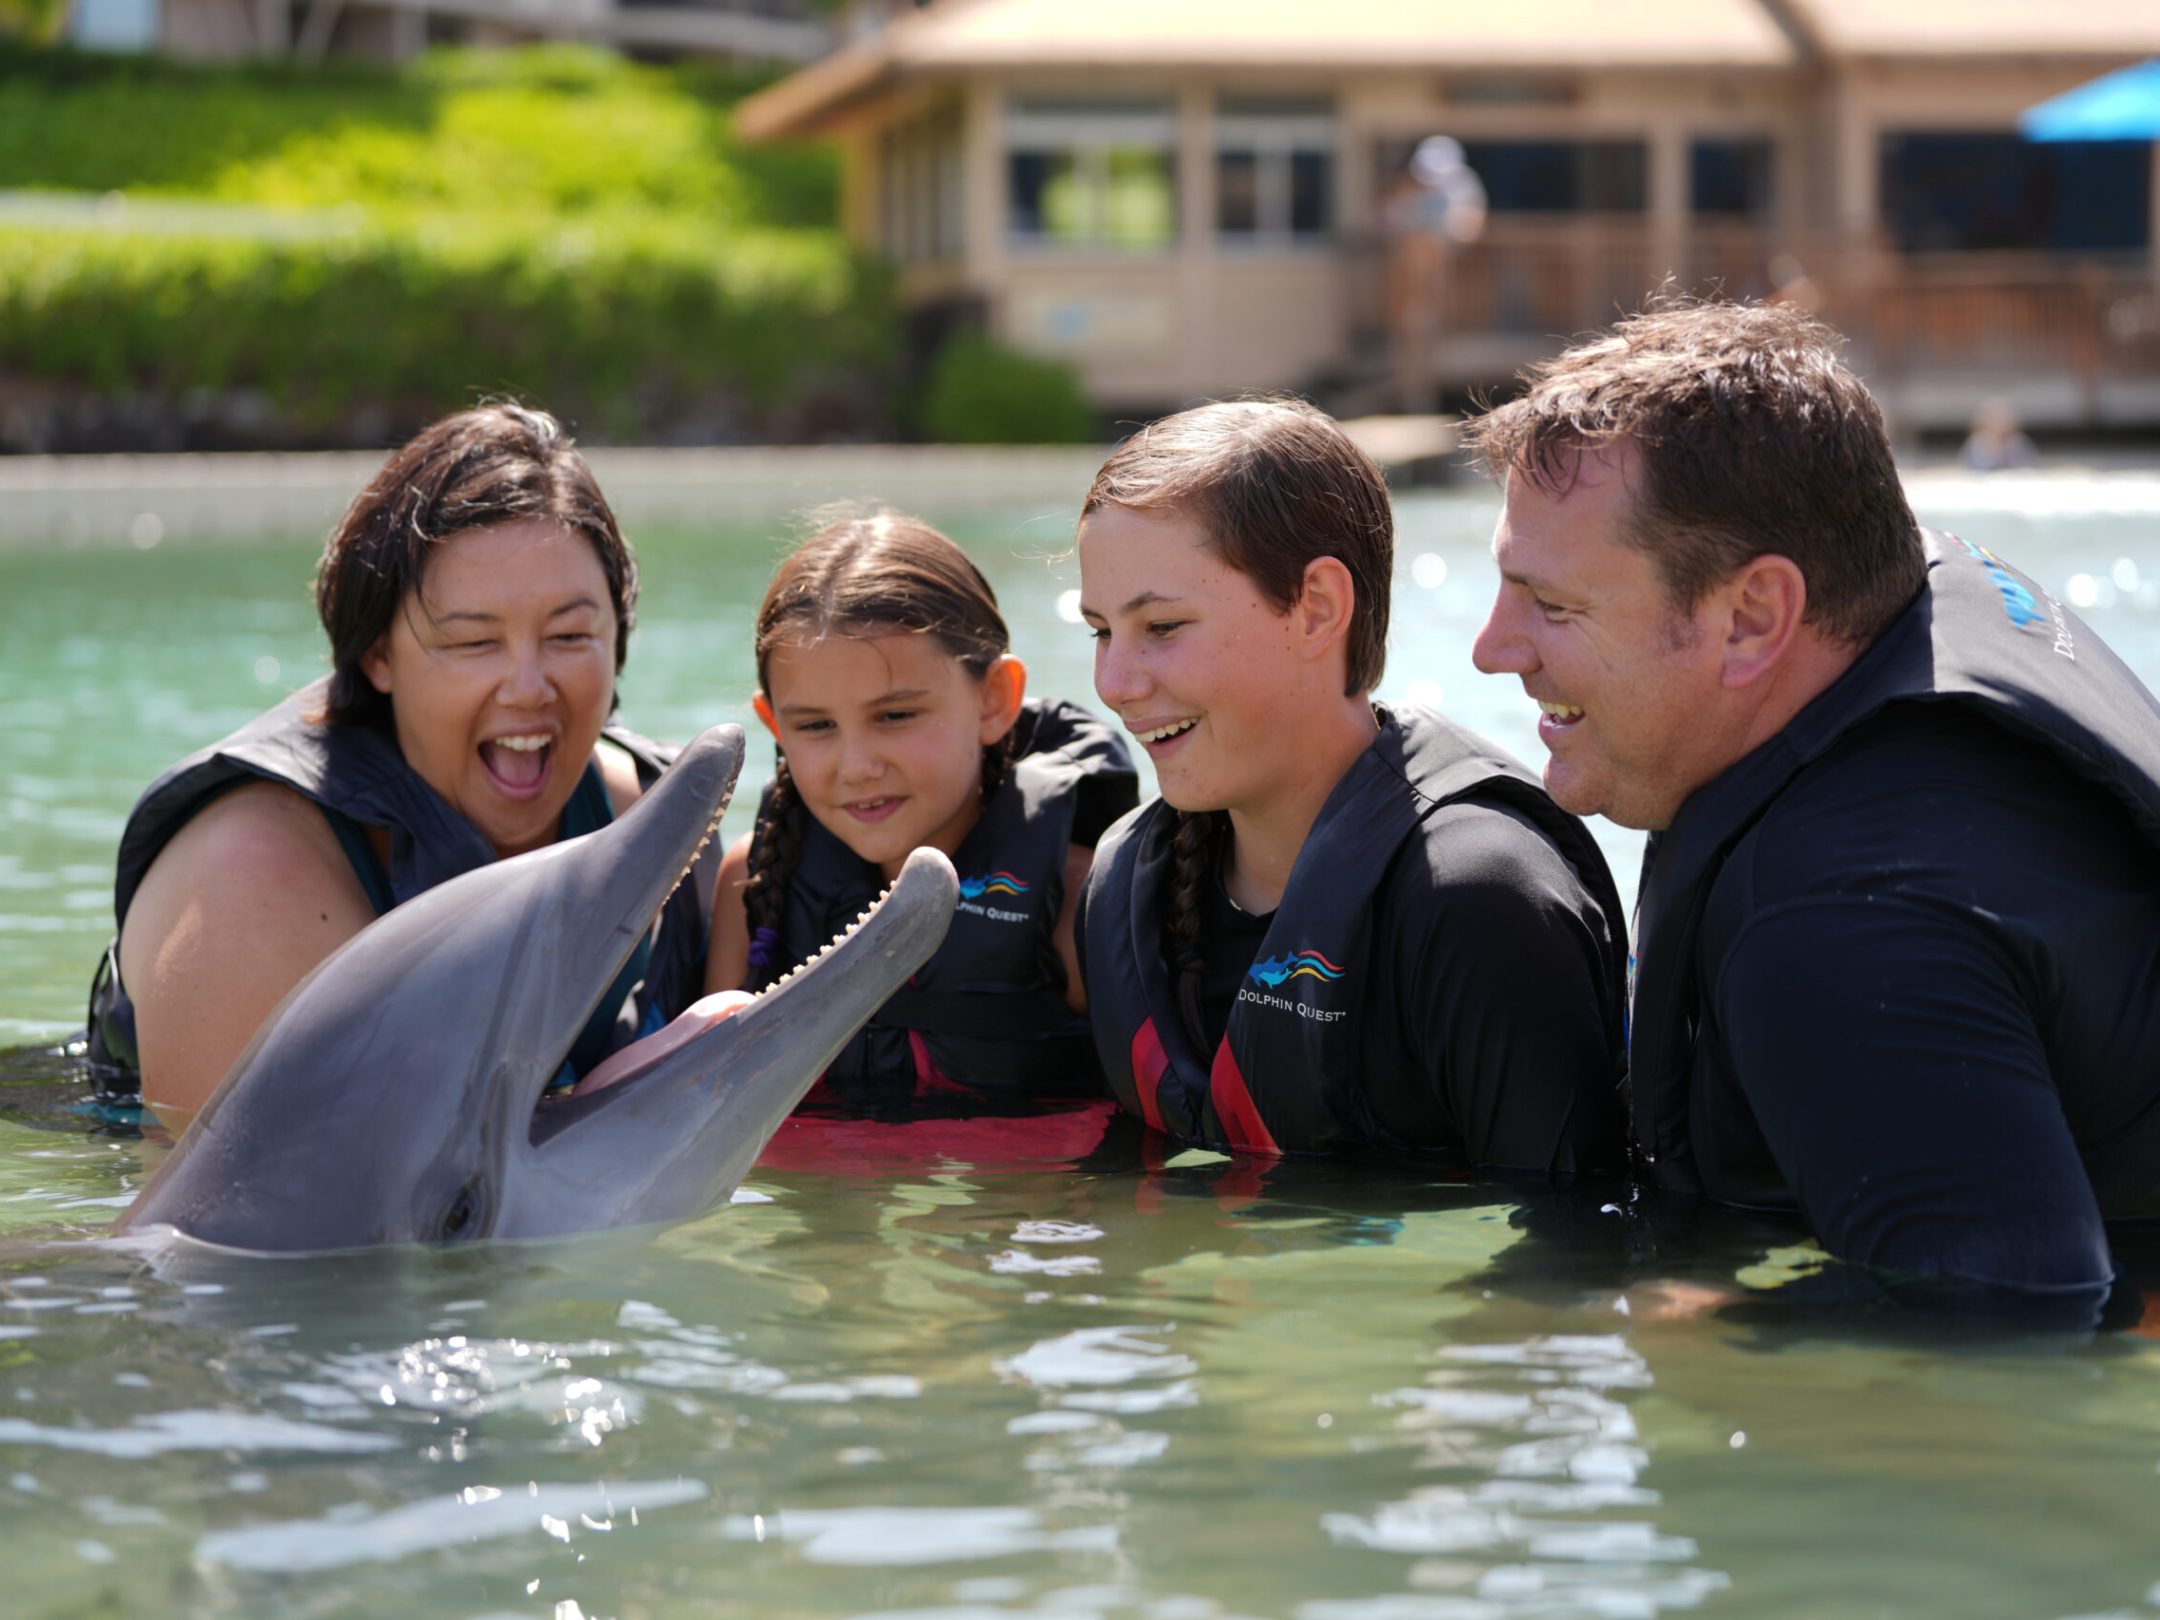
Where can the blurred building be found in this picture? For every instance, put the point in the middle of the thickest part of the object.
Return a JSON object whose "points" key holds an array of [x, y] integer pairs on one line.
{"points": [[752, 30], [1185, 196]]}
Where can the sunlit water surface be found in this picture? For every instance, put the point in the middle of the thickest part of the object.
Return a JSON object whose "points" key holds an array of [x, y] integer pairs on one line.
{"points": [[941, 1371]]}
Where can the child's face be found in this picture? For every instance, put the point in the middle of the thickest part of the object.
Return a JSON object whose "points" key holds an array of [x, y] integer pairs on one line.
{"points": [[1203, 670], [884, 737]]}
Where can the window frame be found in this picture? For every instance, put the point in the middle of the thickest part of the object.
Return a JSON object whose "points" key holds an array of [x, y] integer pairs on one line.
{"points": [[1273, 139], [1088, 130]]}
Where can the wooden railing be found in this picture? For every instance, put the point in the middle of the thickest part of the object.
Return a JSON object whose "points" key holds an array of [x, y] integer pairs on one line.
{"points": [[2092, 319], [1536, 283], [1545, 278]]}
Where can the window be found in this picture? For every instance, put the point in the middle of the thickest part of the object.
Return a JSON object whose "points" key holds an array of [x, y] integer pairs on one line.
{"points": [[1560, 177], [1274, 171], [1092, 174], [1730, 178], [1967, 192], [113, 25]]}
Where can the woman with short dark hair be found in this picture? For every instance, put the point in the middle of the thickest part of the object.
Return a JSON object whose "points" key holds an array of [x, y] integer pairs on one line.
{"points": [[478, 597]]}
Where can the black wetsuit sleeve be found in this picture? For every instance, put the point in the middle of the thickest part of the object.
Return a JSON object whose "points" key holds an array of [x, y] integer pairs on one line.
{"points": [[1505, 998], [1886, 1049], [1080, 933]]}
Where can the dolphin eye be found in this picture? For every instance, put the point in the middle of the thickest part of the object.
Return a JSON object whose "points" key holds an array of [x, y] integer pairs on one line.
{"points": [[462, 1218]]}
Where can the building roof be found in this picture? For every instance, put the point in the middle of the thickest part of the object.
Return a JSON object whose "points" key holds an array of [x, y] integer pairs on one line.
{"points": [[957, 36], [2113, 29]]}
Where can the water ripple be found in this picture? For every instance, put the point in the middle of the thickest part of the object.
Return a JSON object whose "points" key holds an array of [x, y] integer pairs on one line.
{"points": [[197, 1431], [1101, 1355], [899, 1536], [477, 1513]]}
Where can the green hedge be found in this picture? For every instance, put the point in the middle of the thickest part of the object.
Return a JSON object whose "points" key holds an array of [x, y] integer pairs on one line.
{"points": [[616, 327], [981, 392], [556, 224]]}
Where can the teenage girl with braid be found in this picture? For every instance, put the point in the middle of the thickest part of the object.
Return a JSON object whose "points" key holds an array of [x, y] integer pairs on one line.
{"points": [[1344, 924], [886, 677]]}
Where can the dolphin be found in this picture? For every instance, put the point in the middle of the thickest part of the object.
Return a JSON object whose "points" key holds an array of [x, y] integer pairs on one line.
{"points": [[395, 1095]]}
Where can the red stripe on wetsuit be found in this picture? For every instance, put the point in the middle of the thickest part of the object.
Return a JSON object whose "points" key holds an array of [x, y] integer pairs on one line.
{"points": [[1243, 1127]]}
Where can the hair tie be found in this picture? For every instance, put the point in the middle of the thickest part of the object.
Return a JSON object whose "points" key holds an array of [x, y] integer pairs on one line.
{"points": [[764, 949]]}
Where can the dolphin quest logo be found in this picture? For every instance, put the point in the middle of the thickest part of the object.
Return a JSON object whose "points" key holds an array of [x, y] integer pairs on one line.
{"points": [[2018, 601], [1273, 973], [1280, 970], [978, 896]]}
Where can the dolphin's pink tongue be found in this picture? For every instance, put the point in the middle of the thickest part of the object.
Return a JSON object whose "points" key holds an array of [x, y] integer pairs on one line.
{"points": [[688, 1025], [516, 767]]}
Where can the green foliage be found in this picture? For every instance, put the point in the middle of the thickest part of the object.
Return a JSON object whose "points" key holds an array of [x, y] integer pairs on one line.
{"points": [[613, 328], [559, 129], [981, 392], [558, 223], [38, 21]]}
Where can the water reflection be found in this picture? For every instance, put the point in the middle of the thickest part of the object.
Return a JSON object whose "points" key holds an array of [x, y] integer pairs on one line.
{"points": [[1325, 1393]]}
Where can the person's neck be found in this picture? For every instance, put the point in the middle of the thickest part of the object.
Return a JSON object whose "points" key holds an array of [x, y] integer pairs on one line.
{"points": [[1739, 728], [1266, 836], [1813, 667]]}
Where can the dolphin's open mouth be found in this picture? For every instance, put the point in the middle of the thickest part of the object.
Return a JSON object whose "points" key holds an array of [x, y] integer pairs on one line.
{"points": [[639, 1059], [790, 1026], [671, 1139]]}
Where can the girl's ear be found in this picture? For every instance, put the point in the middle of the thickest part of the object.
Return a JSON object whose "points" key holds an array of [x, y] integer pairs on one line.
{"points": [[763, 704], [375, 665], [1004, 689], [1325, 607]]}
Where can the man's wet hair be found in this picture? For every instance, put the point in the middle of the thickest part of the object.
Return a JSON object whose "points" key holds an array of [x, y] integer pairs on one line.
{"points": [[1756, 440], [491, 465]]}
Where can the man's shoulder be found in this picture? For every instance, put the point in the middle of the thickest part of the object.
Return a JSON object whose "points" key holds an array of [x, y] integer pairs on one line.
{"points": [[1918, 788], [1477, 857]]}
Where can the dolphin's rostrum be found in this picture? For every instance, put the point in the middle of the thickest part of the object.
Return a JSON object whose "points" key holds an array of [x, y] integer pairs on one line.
{"points": [[393, 1097]]}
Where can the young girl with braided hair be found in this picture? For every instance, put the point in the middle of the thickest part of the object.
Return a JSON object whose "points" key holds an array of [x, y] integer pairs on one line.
{"points": [[1345, 924], [886, 677]]}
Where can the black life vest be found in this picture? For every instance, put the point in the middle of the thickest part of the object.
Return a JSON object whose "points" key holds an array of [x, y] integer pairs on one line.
{"points": [[987, 1014], [358, 773], [1286, 1076], [1979, 634]]}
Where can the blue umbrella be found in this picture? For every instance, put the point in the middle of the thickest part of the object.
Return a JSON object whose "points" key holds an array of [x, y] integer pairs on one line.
{"points": [[2120, 106]]}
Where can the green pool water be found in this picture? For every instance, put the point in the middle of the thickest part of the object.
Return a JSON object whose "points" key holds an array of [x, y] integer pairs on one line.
{"points": [[961, 1374]]}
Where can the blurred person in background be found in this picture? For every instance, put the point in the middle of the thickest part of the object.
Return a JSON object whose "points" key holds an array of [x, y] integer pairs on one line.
{"points": [[1434, 210], [1997, 442]]}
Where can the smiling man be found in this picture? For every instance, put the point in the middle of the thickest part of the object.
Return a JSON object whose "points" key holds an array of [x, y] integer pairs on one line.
{"points": [[1898, 938]]}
